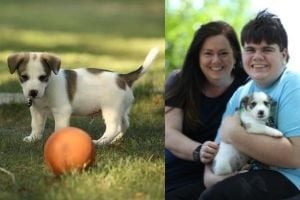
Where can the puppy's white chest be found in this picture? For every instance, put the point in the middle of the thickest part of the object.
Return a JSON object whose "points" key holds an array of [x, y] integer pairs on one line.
{"points": [[247, 119], [252, 124]]}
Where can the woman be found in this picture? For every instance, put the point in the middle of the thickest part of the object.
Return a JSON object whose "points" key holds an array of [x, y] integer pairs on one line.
{"points": [[196, 98]]}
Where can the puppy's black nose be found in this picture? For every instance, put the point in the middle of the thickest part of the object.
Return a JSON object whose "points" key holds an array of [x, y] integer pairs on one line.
{"points": [[261, 113], [33, 93]]}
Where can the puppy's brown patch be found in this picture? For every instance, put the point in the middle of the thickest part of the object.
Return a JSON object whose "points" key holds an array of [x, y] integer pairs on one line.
{"points": [[71, 78], [46, 67], [95, 70], [52, 61], [18, 62], [22, 67], [132, 76], [121, 82], [122, 79]]}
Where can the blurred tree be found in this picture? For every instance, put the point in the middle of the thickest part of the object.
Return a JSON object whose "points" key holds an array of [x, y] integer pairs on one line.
{"points": [[183, 17]]}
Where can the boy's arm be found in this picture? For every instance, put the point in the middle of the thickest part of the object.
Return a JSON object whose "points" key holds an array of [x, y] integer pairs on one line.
{"points": [[281, 152]]}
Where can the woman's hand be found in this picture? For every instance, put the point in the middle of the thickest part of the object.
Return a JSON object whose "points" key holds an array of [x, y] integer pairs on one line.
{"points": [[208, 151]]}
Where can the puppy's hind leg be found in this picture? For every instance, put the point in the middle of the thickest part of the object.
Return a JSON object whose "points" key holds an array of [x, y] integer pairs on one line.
{"points": [[126, 104], [113, 123], [123, 128], [38, 120]]}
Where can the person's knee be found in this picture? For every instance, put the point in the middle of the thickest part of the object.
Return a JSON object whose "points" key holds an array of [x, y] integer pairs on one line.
{"points": [[205, 195], [173, 195], [209, 194]]}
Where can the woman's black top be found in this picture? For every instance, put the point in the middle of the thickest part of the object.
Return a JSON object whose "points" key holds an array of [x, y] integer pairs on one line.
{"points": [[182, 172]]}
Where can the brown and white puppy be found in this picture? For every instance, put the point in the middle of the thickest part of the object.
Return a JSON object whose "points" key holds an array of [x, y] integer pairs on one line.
{"points": [[81, 91], [254, 113]]}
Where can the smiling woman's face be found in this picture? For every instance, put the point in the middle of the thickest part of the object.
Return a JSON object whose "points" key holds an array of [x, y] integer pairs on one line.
{"points": [[216, 59]]}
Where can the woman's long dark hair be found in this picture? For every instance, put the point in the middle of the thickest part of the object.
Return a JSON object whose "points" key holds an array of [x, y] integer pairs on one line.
{"points": [[190, 82]]}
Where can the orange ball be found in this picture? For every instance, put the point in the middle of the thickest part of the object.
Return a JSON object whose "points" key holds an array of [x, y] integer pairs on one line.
{"points": [[69, 149]]}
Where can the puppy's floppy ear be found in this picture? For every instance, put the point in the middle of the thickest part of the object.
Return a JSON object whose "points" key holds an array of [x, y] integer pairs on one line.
{"points": [[52, 61], [244, 102], [14, 61], [271, 101]]}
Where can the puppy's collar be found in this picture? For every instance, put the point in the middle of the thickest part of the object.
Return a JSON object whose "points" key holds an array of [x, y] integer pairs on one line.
{"points": [[29, 103], [240, 109]]}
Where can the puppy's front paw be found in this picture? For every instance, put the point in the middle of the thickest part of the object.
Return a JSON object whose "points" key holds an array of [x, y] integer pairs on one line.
{"points": [[118, 138], [31, 138], [101, 142], [277, 133]]}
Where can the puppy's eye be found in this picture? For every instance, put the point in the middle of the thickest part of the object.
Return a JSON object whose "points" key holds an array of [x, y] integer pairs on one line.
{"points": [[24, 78], [267, 103], [43, 78], [252, 104]]}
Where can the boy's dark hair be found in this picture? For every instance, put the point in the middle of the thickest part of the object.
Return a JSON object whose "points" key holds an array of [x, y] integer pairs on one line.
{"points": [[265, 27]]}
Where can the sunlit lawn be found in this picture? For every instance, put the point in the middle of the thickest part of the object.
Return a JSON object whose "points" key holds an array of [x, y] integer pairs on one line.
{"points": [[114, 35], [101, 33]]}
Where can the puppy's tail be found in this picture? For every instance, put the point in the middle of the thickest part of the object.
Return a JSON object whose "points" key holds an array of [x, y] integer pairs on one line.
{"points": [[149, 59], [134, 75]]}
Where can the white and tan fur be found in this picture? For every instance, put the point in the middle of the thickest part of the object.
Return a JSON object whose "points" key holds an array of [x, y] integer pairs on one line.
{"points": [[82, 91], [254, 114]]}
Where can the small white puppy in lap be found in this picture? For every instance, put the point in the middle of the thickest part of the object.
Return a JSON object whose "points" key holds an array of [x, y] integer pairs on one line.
{"points": [[82, 91], [254, 114]]}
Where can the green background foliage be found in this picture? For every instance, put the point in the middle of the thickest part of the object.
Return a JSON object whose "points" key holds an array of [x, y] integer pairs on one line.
{"points": [[183, 18]]}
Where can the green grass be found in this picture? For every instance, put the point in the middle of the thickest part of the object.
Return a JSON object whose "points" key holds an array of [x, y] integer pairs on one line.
{"points": [[99, 33], [115, 35], [132, 168]]}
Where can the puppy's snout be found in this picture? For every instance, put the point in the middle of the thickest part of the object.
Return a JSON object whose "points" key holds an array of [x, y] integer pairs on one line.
{"points": [[261, 113], [33, 93]]}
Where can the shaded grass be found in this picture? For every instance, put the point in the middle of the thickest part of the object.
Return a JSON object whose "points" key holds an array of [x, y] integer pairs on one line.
{"points": [[93, 16], [96, 33], [130, 169]]}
